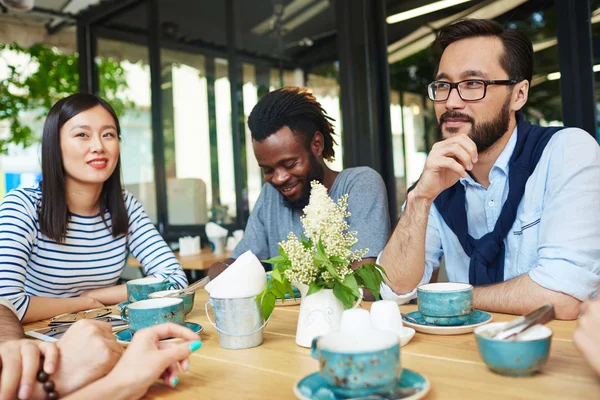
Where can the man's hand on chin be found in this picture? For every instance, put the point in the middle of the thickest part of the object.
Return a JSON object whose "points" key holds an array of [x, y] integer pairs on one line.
{"points": [[88, 351]]}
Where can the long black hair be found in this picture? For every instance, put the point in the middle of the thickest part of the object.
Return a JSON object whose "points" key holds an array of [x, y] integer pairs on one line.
{"points": [[54, 212], [297, 109]]}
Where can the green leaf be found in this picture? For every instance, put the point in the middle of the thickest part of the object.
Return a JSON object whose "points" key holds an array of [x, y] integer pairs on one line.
{"points": [[370, 277], [267, 303], [344, 295], [313, 288], [276, 260], [351, 284], [289, 289], [275, 274], [278, 289], [339, 260], [332, 271]]}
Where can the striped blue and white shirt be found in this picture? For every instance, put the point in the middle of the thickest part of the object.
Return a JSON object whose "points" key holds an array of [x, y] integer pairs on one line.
{"points": [[31, 264]]}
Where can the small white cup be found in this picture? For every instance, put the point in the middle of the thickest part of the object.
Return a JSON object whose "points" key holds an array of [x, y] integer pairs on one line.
{"points": [[385, 316], [355, 320]]}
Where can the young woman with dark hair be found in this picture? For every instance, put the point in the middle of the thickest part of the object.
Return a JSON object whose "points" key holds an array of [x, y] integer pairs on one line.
{"points": [[63, 244]]}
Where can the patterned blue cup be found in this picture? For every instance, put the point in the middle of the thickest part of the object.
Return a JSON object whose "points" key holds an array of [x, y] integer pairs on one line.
{"points": [[356, 366], [188, 299], [522, 357], [145, 313], [445, 303], [139, 289]]}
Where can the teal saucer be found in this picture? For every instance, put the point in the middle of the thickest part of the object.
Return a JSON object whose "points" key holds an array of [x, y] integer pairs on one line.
{"points": [[124, 336], [314, 387], [121, 305], [477, 318]]}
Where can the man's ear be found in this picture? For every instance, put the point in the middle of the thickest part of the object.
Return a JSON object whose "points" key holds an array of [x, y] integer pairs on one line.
{"points": [[317, 144], [520, 95]]}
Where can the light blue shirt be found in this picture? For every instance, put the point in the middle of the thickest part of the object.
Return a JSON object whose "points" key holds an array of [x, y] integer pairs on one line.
{"points": [[556, 235]]}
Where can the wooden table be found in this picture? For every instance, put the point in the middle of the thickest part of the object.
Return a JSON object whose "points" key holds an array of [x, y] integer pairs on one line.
{"points": [[451, 363], [197, 262]]}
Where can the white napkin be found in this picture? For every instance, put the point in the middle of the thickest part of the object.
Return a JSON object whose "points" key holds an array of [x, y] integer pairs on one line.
{"points": [[189, 245], [215, 231], [246, 277]]}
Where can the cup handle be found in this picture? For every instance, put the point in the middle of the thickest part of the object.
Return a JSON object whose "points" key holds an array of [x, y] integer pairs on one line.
{"points": [[359, 299], [314, 351], [172, 285], [125, 313]]}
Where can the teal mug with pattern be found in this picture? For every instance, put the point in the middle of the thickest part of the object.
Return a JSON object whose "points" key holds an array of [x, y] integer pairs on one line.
{"points": [[140, 289], [145, 313]]}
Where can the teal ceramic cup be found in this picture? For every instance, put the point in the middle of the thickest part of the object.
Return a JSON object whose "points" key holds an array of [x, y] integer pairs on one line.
{"points": [[445, 303], [522, 357], [355, 366], [139, 289], [188, 299], [145, 313]]}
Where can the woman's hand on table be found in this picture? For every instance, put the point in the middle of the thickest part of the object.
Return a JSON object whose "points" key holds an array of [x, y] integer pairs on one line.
{"points": [[586, 337], [20, 362], [147, 359]]}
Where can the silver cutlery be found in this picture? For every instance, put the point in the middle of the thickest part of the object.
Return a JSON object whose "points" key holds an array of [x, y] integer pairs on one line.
{"points": [[394, 394], [540, 316], [410, 319], [190, 289]]}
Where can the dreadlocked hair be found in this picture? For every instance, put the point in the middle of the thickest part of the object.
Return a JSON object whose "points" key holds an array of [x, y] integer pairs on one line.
{"points": [[297, 109]]}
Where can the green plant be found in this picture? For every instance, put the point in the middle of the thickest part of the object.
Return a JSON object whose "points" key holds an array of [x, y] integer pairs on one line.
{"points": [[49, 76], [321, 258]]}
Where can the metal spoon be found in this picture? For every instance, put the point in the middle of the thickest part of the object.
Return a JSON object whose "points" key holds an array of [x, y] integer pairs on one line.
{"points": [[540, 316], [190, 289], [394, 394], [410, 319]]}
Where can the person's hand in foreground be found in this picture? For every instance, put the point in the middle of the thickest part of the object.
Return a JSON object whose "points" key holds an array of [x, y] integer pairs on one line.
{"points": [[145, 360], [19, 365], [88, 351], [587, 337]]}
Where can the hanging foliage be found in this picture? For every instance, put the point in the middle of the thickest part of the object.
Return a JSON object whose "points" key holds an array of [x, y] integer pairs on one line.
{"points": [[48, 76]]}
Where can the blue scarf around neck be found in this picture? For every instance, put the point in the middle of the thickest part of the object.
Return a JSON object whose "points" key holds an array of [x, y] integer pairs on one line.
{"points": [[487, 253]]}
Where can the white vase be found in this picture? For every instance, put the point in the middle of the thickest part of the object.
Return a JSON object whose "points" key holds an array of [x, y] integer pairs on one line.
{"points": [[320, 313]]}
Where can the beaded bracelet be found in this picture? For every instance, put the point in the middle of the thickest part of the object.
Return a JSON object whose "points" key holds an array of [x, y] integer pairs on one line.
{"points": [[44, 379]]}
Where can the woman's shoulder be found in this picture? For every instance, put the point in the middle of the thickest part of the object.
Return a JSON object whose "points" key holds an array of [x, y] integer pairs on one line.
{"points": [[132, 205], [29, 198]]}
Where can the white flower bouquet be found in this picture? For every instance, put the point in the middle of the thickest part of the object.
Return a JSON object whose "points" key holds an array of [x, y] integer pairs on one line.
{"points": [[321, 258]]}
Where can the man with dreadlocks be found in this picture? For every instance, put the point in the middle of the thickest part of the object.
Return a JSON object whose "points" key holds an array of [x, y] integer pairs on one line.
{"points": [[292, 137]]}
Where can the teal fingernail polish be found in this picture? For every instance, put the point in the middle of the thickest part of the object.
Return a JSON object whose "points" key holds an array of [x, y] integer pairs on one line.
{"points": [[195, 345], [175, 380]]}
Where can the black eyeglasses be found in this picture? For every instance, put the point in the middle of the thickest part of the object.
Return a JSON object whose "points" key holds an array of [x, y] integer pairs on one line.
{"points": [[468, 90]]}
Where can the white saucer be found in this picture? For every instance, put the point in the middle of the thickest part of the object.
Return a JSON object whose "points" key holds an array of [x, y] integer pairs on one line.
{"points": [[406, 335]]}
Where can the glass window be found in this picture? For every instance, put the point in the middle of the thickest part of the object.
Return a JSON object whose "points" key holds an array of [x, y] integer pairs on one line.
{"points": [[225, 209], [187, 138], [324, 84], [412, 67], [135, 116], [250, 96], [398, 147]]}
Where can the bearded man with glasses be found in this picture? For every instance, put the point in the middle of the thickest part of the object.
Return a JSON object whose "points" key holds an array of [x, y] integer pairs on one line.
{"points": [[514, 208]]}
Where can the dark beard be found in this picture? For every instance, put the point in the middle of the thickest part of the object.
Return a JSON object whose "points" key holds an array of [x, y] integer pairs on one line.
{"points": [[485, 134], [315, 173]]}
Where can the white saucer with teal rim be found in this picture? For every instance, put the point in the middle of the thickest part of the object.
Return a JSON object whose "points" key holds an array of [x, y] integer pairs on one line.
{"points": [[121, 305], [476, 319], [314, 387], [124, 336]]}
